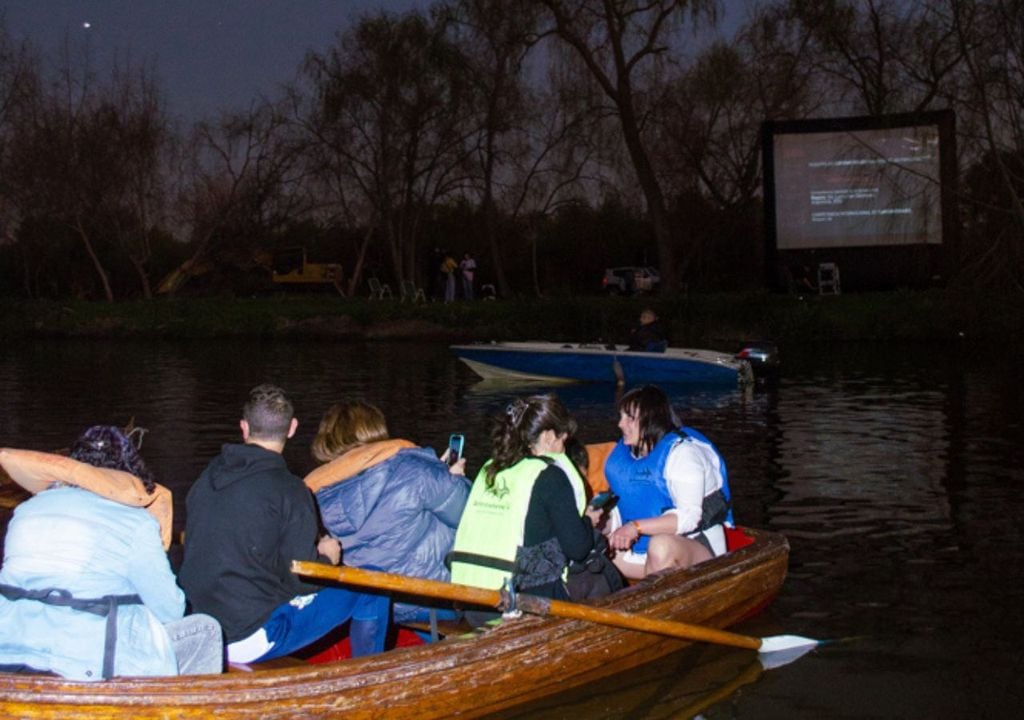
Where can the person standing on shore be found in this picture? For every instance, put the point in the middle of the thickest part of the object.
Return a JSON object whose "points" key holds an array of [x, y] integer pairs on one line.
{"points": [[468, 268], [448, 270]]}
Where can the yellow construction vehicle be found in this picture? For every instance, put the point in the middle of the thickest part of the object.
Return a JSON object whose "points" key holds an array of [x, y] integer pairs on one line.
{"points": [[290, 267]]}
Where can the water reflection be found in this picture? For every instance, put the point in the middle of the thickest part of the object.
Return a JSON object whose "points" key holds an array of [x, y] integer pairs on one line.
{"points": [[896, 475]]}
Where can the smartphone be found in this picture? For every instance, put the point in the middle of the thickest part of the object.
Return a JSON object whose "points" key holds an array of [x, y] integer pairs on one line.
{"points": [[455, 443], [602, 499]]}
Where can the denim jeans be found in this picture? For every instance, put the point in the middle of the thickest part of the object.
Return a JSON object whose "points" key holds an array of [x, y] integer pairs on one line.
{"points": [[294, 625], [198, 644]]}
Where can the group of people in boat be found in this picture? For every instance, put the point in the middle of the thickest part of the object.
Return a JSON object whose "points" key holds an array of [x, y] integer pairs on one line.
{"points": [[87, 591]]}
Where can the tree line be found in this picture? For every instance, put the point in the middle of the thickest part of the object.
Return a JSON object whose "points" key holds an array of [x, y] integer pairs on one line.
{"points": [[551, 138]]}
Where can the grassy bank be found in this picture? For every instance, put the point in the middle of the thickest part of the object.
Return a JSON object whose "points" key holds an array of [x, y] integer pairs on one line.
{"points": [[695, 319]]}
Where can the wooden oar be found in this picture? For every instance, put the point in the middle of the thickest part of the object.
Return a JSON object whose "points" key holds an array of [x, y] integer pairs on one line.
{"points": [[544, 606]]}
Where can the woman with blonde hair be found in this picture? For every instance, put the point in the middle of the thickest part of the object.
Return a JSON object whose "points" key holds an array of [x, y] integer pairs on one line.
{"points": [[392, 505]]}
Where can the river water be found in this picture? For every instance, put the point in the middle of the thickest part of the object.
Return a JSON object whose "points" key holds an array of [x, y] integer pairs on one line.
{"points": [[895, 472]]}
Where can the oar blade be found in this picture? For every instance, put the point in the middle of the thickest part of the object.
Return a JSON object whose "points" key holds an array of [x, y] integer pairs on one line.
{"points": [[777, 658], [783, 643]]}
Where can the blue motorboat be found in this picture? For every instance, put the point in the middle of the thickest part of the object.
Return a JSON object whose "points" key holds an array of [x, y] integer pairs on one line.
{"points": [[558, 362]]}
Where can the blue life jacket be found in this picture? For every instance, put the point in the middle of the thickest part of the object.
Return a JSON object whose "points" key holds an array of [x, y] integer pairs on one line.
{"points": [[643, 492]]}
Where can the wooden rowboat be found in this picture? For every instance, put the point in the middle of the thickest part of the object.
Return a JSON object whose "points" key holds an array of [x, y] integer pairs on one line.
{"points": [[521, 661]]}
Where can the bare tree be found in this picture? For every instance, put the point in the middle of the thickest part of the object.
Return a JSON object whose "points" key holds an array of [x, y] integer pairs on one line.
{"points": [[241, 185], [557, 160], [990, 35], [389, 107], [336, 200], [60, 157], [495, 37], [618, 41], [86, 156], [709, 116], [134, 206], [879, 56], [19, 87]]}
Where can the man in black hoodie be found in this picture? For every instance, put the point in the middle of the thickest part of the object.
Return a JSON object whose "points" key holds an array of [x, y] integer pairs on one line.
{"points": [[247, 518]]}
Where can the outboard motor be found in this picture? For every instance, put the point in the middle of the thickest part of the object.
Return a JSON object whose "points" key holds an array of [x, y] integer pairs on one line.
{"points": [[763, 356]]}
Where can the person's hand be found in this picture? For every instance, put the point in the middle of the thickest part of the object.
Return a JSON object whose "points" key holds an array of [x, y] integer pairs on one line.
{"points": [[330, 548], [596, 515], [458, 467], [624, 537]]}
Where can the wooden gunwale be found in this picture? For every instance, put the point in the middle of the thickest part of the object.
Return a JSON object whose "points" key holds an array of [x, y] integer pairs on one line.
{"points": [[521, 661]]}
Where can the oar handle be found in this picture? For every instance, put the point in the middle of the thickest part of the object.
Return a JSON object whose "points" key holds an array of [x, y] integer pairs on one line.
{"points": [[398, 583], [528, 603]]}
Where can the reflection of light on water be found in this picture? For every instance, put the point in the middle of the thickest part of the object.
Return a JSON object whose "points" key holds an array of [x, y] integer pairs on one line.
{"points": [[896, 477], [861, 458], [593, 404]]}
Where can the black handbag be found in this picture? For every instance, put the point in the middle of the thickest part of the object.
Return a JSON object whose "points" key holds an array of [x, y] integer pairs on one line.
{"points": [[596, 575]]}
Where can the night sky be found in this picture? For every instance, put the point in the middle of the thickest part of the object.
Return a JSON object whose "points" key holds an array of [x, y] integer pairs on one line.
{"points": [[210, 55]]}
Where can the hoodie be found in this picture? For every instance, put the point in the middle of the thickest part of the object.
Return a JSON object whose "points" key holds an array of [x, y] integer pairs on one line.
{"points": [[247, 518]]}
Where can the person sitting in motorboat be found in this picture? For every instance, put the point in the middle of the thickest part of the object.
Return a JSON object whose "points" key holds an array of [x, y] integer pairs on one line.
{"points": [[392, 505], [86, 588], [649, 335], [527, 515], [672, 487]]}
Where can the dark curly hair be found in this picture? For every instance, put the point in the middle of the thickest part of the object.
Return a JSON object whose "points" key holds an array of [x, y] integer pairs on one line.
{"points": [[107, 446], [518, 428]]}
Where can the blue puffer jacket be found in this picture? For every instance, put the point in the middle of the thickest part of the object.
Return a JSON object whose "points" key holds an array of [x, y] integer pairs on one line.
{"points": [[398, 515]]}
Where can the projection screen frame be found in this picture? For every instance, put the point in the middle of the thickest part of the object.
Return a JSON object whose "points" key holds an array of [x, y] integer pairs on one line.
{"points": [[938, 254]]}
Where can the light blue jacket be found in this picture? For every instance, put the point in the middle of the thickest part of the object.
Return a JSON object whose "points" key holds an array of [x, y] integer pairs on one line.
{"points": [[75, 540]]}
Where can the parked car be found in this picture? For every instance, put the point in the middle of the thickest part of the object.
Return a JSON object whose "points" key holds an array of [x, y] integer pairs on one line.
{"points": [[630, 280]]}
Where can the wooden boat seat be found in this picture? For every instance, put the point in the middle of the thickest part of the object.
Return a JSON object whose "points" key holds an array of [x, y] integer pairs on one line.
{"points": [[275, 664], [445, 628]]}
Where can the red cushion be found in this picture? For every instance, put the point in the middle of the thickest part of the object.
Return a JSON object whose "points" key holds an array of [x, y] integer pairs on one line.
{"points": [[736, 538], [342, 650]]}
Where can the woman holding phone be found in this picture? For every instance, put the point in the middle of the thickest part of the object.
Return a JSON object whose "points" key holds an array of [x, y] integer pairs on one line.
{"points": [[526, 516], [394, 506]]}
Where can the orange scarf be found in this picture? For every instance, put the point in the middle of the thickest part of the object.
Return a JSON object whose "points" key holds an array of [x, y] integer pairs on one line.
{"points": [[354, 462], [37, 471]]}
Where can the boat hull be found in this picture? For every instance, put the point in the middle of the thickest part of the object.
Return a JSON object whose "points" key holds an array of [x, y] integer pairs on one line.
{"points": [[553, 362], [522, 661]]}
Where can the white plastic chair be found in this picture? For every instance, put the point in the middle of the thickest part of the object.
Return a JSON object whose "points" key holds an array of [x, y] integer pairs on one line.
{"points": [[828, 279], [412, 293], [378, 290]]}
